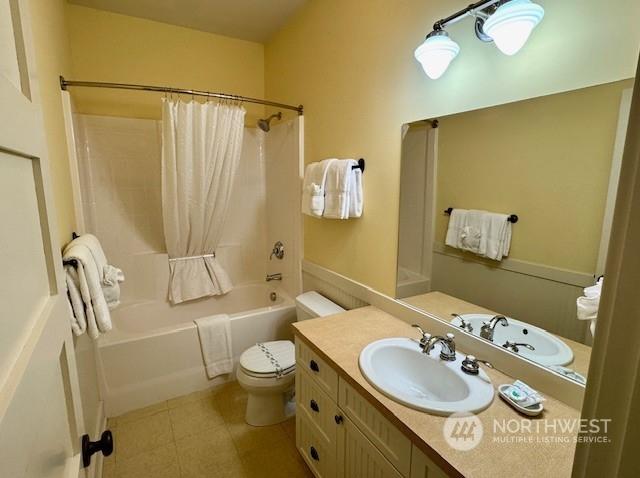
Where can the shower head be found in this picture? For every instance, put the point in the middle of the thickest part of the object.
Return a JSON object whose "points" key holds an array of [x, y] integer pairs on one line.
{"points": [[265, 124]]}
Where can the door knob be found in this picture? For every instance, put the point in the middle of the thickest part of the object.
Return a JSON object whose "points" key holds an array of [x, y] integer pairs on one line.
{"points": [[105, 445]]}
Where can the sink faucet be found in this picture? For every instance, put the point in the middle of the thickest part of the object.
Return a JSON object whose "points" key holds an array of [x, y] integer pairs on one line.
{"points": [[464, 325], [428, 342], [487, 329], [516, 346], [447, 346], [276, 276]]}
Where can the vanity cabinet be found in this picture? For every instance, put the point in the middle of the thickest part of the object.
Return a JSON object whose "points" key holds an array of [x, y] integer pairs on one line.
{"points": [[341, 435]]}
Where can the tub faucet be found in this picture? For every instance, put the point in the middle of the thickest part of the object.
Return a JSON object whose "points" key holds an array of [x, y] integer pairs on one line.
{"points": [[487, 329], [276, 276]]}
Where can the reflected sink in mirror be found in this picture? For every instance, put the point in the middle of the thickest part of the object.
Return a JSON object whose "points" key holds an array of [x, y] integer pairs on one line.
{"points": [[547, 348], [398, 368]]}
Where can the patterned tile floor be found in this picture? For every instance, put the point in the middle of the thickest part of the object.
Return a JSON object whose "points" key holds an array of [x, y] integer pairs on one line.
{"points": [[201, 435]]}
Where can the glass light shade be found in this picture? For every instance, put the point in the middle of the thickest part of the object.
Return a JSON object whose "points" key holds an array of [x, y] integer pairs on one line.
{"points": [[436, 53], [512, 23]]}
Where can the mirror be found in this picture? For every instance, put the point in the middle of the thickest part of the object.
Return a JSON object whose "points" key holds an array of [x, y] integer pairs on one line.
{"points": [[549, 168]]}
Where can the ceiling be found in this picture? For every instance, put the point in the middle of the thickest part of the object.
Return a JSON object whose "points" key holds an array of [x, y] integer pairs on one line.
{"points": [[253, 20]]}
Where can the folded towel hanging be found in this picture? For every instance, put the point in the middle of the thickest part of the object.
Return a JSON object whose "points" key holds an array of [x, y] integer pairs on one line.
{"points": [[483, 233], [343, 189], [215, 341], [313, 187]]}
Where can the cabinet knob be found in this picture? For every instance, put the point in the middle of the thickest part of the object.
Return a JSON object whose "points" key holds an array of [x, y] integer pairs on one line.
{"points": [[314, 406], [314, 454], [338, 419], [313, 365]]}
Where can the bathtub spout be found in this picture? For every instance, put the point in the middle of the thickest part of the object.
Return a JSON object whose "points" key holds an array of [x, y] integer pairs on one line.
{"points": [[276, 276]]}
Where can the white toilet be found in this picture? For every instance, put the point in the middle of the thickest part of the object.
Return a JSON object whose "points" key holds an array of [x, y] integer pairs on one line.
{"points": [[267, 370]]}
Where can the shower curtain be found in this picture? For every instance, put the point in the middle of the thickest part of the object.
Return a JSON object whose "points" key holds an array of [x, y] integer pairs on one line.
{"points": [[201, 146]]}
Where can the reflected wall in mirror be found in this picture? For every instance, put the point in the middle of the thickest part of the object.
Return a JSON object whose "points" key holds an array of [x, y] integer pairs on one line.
{"points": [[554, 162]]}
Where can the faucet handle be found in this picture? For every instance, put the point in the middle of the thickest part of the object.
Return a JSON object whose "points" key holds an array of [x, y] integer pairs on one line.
{"points": [[470, 365], [425, 335]]}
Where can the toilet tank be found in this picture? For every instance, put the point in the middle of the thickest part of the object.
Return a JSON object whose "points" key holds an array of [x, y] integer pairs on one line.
{"points": [[311, 304]]}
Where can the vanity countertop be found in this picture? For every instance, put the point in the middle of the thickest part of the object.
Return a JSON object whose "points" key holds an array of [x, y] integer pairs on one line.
{"points": [[443, 305], [338, 339]]}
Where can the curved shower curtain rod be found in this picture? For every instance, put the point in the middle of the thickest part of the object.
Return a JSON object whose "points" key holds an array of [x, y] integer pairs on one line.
{"points": [[64, 84]]}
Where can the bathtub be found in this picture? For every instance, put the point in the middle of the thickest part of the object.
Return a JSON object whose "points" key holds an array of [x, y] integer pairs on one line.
{"points": [[153, 351]]}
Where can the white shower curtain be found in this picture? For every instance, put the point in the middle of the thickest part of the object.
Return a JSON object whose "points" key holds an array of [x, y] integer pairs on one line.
{"points": [[201, 146]]}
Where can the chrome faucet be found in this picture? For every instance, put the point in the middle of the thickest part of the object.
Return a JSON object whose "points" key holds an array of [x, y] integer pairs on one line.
{"points": [[487, 329], [516, 346], [276, 276], [464, 325], [428, 342], [471, 366], [447, 346]]}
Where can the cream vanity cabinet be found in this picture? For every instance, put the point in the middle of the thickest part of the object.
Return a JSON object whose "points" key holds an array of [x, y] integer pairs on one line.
{"points": [[340, 434]]}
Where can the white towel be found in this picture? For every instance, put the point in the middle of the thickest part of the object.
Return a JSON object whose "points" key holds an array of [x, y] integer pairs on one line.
{"points": [[313, 188], [457, 220], [483, 233], [112, 276], [215, 341], [343, 190], [77, 316], [90, 286], [588, 304], [495, 238]]}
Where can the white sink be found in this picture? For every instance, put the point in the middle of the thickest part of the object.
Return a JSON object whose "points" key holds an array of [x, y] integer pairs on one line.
{"points": [[549, 349], [398, 368]]}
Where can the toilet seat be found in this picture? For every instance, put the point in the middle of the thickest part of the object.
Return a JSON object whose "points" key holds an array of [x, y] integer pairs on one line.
{"points": [[269, 359]]}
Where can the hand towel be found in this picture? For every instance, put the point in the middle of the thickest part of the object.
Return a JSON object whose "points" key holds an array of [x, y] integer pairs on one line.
{"points": [[112, 276], [313, 188], [77, 316], [495, 238], [337, 189], [457, 221], [356, 197], [588, 304], [471, 234], [215, 342]]}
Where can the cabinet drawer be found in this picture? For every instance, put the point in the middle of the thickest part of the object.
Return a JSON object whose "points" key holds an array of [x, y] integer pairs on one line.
{"points": [[316, 404], [319, 455], [383, 434], [323, 374]]}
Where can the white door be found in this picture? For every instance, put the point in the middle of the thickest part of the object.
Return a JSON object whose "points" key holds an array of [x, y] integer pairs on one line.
{"points": [[40, 414]]}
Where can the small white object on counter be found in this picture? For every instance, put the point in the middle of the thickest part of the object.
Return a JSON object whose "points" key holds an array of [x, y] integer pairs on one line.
{"points": [[522, 397]]}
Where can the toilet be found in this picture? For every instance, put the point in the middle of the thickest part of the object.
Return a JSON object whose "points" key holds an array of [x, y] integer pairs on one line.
{"points": [[267, 370]]}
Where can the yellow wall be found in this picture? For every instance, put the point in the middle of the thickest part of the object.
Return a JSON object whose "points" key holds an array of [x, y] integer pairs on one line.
{"points": [[51, 50], [547, 159], [116, 48], [351, 64]]}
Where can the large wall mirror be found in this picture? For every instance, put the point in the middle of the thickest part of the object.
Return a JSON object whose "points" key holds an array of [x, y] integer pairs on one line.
{"points": [[505, 214]]}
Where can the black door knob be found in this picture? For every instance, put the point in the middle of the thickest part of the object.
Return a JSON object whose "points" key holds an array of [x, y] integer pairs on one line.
{"points": [[314, 454], [105, 445], [313, 365], [314, 406]]}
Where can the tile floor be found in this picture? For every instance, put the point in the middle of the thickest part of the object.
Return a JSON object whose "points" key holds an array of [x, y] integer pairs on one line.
{"points": [[201, 435]]}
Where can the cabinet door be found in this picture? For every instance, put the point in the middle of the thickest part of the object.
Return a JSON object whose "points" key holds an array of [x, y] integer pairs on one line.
{"points": [[358, 458], [423, 467]]}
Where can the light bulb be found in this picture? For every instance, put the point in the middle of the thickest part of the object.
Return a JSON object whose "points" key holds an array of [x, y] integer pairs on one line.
{"points": [[436, 53], [512, 23]]}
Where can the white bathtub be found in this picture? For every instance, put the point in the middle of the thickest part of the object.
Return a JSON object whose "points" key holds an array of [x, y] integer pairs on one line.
{"points": [[153, 352]]}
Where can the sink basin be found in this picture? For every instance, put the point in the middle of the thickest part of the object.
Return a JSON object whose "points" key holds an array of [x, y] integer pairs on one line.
{"points": [[550, 350], [398, 368]]}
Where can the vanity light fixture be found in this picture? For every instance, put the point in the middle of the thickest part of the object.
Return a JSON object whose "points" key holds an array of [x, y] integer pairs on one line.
{"points": [[507, 23]]}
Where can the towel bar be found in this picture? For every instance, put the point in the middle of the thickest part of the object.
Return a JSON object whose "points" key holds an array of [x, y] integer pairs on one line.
{"points": [[513, 218], [360, 165]]}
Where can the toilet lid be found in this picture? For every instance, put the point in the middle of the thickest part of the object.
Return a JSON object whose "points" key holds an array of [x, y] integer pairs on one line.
{"points": [[269, 358]]}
